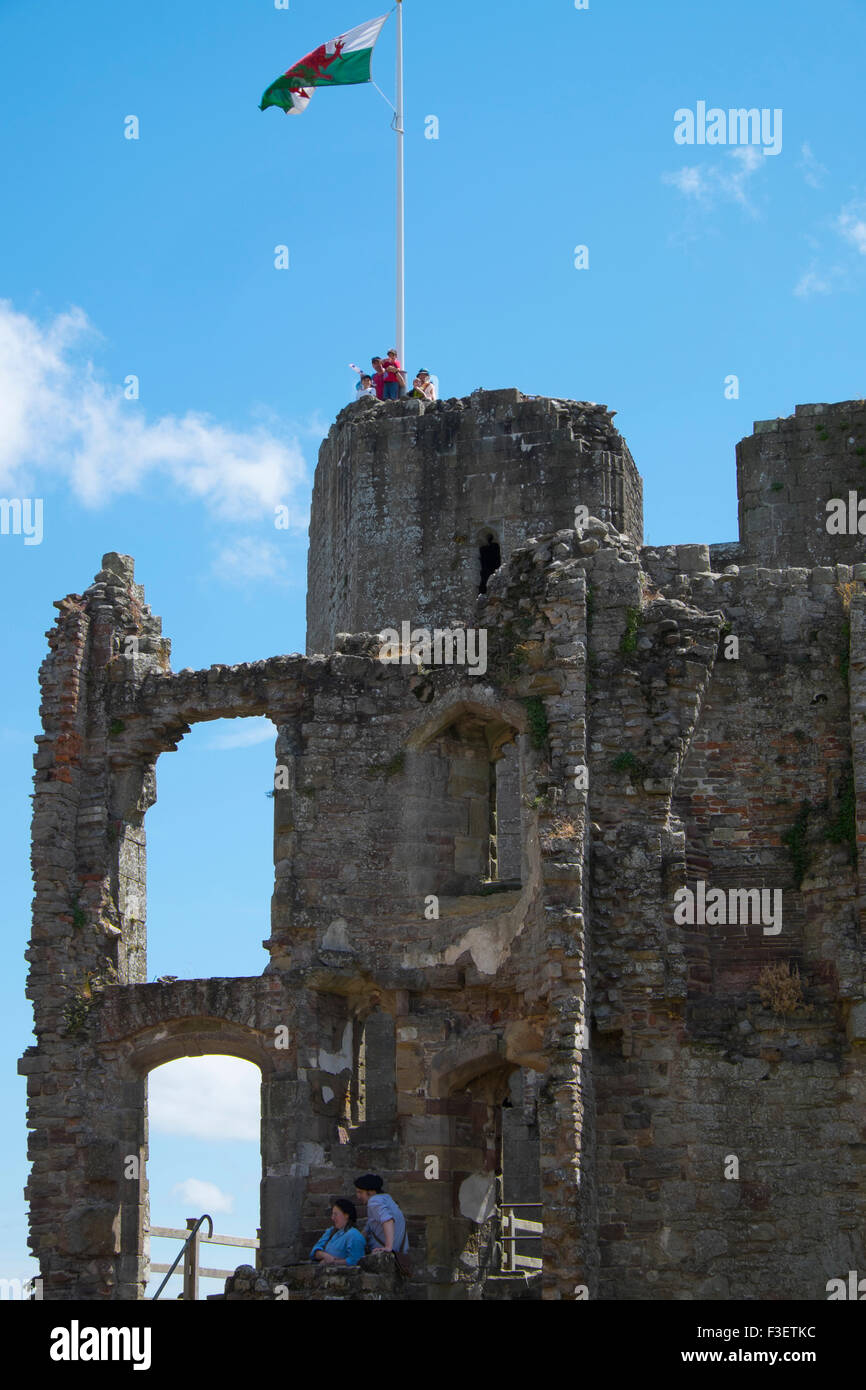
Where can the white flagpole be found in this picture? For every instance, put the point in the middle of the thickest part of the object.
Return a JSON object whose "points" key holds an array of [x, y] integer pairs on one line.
{"points": [[401, 260]]}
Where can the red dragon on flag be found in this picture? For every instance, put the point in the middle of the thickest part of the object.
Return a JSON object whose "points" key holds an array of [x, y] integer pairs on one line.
{"points": [[341, 62], [310, 71]]}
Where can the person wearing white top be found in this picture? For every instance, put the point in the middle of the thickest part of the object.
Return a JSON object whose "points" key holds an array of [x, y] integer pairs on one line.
{"points": [[365, 387]]}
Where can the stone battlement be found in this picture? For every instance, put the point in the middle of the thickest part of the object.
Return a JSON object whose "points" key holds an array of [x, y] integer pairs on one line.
{"points": [[787, 472]]}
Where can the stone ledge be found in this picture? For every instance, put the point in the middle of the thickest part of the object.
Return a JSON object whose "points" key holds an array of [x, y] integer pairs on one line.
{"points": [[310, 1282]]}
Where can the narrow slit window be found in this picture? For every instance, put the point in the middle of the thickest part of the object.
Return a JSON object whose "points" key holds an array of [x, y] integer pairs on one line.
{"points": [[490, 556]]}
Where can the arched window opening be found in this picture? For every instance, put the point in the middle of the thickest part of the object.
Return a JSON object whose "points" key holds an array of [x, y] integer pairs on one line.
{"points": [[204, 1133], [462, 827], [210, 840], [493, 851], [358, 1084], [490, 558], [373, 1087]]}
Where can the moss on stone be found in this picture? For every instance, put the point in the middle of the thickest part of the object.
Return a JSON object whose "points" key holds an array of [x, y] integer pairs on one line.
{"points": [[630, 763], [628, 641], [794, 839], [389, 769], [843, 830], [76, 1014], [536, 714]]}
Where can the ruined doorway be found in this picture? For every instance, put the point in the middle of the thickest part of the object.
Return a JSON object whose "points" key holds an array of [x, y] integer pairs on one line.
{"points": [[203, 1147], [520, 1174]]}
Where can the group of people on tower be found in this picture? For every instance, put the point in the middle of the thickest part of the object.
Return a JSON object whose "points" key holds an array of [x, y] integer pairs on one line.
{"points": [[384, 1233], [387, 381]]}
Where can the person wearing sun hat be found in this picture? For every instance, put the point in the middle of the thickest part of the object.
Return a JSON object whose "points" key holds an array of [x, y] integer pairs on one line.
{"points": [[423, 387]]}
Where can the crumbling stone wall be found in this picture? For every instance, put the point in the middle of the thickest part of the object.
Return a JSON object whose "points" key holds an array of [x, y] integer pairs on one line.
{"points": [[310, 1284], [363, 746], [692, 1068], [666, 722]]}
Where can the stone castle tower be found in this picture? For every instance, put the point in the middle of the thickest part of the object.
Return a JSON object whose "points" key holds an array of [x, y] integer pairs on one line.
{"points": [[401, 516], [481, 981]]}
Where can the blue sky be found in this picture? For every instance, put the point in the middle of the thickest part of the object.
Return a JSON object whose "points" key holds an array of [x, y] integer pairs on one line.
{"points": [[155, 258]]}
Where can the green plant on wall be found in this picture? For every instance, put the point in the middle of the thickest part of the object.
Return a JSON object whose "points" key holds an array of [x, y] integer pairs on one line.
{"points": [[391, 768], [628, 641], [629, 762], [843, 830], [536, 716], [794, 840], [845, 651]]}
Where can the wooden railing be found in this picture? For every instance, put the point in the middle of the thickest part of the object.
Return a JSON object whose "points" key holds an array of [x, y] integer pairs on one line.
{"points": [[192, 1270], [517, 1228]]}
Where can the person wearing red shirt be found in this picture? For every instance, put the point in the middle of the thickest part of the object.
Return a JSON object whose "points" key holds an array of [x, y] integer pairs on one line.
{"points": [[379, 378], [394, 378]]}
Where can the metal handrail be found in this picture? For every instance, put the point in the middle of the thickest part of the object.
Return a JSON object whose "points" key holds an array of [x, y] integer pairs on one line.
{"points": [[192, 1234]]}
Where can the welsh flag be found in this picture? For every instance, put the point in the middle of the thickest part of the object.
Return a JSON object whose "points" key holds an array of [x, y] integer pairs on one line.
{"points": [[342, 62]]}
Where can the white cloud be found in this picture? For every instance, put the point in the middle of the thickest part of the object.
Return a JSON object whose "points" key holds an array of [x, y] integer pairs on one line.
{"points": [[814, 282], [58, 414], [203, 1196], [851, 222], [689, 181], [813, 171], [206, 1098], [249, 560], [248, 733], [837, 273], [723, 181]]}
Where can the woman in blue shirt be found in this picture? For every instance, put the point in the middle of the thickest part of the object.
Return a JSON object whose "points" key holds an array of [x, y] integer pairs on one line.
{"points": [[343, 1244]]}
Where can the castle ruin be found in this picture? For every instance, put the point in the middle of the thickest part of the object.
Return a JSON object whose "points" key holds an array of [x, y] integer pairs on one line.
{"points": [[480, 949]]}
